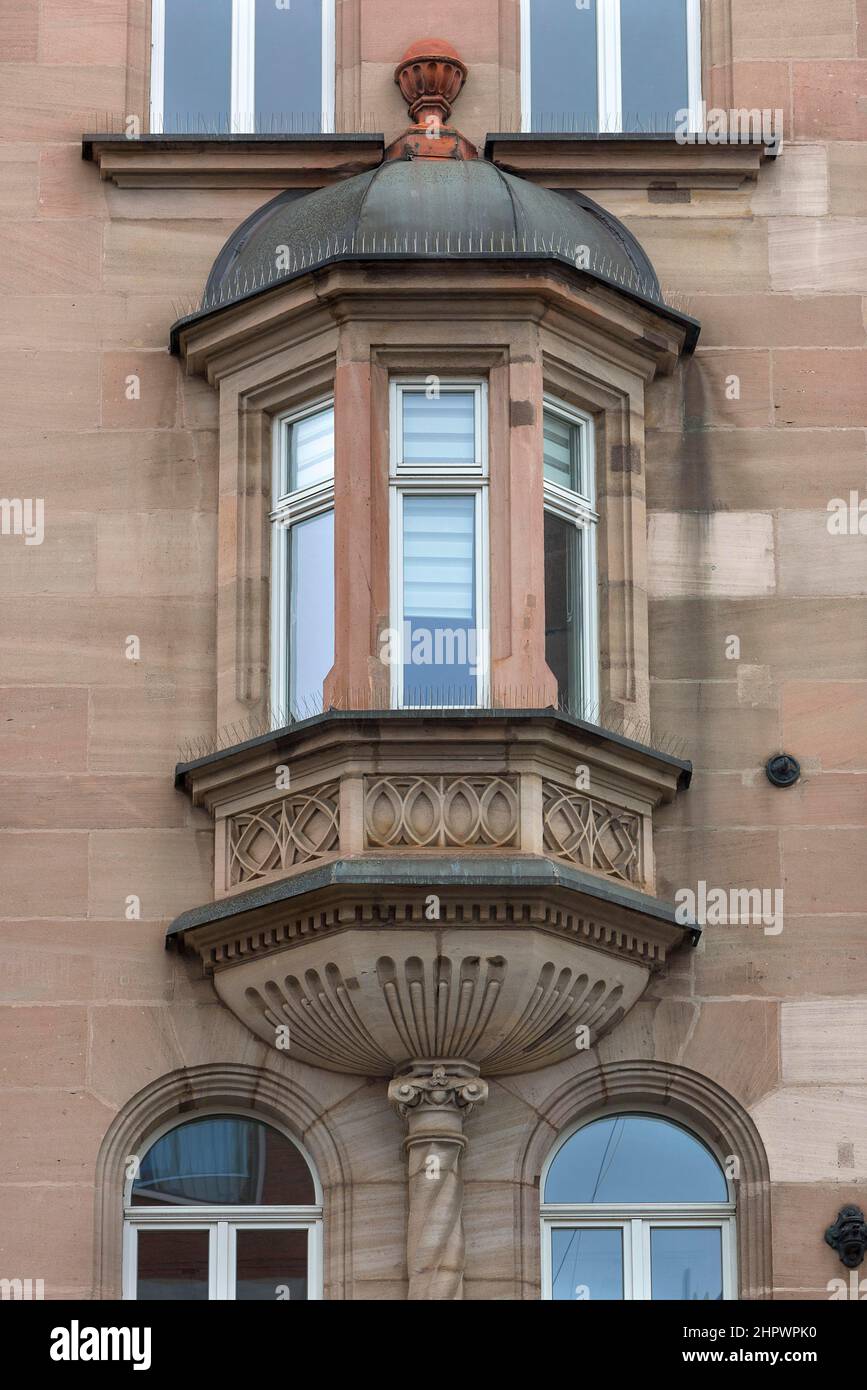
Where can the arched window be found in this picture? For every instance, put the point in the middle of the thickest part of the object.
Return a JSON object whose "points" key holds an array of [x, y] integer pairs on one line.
{"points": [[222, 1207], [636, 1207]]}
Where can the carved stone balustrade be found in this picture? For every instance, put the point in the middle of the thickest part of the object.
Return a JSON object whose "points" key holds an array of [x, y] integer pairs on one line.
{"points": [[395, 783]]}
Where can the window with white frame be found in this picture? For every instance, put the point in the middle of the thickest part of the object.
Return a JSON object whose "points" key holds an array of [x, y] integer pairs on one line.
{"points": [[636, 1207], [611, 65], [438, 647], [302, 561], [241, 66], [222, 1207], [570, 558]]}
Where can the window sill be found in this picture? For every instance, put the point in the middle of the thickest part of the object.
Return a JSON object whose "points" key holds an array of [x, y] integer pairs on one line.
{"points": [[231, 161], [659, 163]]}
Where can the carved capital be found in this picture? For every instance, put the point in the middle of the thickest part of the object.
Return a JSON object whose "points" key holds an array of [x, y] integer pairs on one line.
{"points": [[437, 1088]]}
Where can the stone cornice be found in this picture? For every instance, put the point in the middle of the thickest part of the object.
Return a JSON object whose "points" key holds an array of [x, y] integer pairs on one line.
{"points": [[374, 892], [231, 161], [577, 161], [647, 335], [383, 729]]}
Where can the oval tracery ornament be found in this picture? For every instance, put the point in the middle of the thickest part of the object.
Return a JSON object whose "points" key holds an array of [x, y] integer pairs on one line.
{"points": [[438, 812]]}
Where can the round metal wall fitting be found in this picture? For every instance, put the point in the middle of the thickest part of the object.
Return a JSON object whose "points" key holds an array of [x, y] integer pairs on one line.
{"points": [[783, 770]]}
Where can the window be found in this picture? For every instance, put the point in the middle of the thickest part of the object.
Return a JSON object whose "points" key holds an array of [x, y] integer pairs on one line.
{"points": [[439, 550], [302, 561], [238, 66], [570, 558], [635, 1207], [610, 65], [222, 1207]]}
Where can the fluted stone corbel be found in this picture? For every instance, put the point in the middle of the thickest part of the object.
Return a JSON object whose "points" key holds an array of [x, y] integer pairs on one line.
{"points": [[434, 1100]]}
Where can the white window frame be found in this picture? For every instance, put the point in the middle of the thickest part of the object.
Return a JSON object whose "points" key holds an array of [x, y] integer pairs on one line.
{"points": [[243, 67], [445, 479], [636, 1224], [608, 66], [287, 510], [223, 1222], [579, 508]]}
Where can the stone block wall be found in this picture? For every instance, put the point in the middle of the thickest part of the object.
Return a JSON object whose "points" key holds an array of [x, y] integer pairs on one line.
{"points": [[98, 421]]}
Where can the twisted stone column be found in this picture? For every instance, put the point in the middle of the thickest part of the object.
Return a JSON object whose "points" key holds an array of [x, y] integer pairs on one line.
{"points": [[434, 1098]]}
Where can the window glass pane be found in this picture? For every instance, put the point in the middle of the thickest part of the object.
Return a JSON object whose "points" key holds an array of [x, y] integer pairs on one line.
{"points": [[172, 1266], [271, 1265], [587, 1263], [634, 1158], [653, 58], [686, 1263], [441, 430], [562, 452], [197, 93], [288, 66], [563, 543], [310, 451], [439, 600], [564, 88], [223, 1159], [311, 621]]}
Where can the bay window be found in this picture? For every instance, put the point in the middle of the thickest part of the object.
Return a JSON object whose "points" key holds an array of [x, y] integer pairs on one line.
{"points": [[222, 1208], [302, 561], [241, 66], [570, 558], [636, 1207], [610, 65], [438, 651]]}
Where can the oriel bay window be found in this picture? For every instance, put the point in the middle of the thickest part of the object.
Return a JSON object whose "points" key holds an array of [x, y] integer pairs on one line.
{"points": [[438, 644], [302, 561], [222, 1208], [611, 65], [239, 66], [570, 558], [636, 1207]]}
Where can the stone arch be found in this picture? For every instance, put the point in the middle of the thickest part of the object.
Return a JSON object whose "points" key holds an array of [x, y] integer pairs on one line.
{"points": [[178, 1095], [680, 1094]]}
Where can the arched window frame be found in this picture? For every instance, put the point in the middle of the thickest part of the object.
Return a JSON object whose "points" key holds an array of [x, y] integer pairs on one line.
{"points": [[608, 67], [638, 1219], [223, 1220]]}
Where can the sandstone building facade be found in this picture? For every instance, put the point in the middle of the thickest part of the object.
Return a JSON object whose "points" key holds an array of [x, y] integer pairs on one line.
{"points": [[434, 631]]}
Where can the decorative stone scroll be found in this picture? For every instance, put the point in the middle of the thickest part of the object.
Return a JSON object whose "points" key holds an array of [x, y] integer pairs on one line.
{"points": [[273, 838], [591, 833], [437, 812]]}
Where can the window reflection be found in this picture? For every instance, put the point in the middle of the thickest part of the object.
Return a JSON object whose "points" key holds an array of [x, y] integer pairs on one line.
{"points": [[634, 1158], [686, 1263], [223, 1160]]}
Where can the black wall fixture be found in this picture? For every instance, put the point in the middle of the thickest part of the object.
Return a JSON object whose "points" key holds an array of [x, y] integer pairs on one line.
{"points": [[848, 1236], [783, 770]]}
